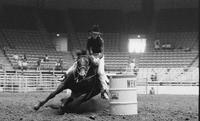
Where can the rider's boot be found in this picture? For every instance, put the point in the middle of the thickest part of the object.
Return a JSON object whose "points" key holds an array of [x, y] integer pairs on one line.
{"points": [[104, 90], [104, 94]]}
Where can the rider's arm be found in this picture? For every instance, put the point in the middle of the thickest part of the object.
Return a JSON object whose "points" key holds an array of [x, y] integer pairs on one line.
{"points": [[101, 47], [88, 48]]}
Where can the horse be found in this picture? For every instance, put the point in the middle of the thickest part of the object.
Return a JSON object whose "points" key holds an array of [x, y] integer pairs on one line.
{"points": [[84, 81]]}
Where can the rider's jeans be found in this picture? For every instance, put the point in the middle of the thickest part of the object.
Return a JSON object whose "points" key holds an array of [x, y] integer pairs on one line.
{"points": [[102, 75]]}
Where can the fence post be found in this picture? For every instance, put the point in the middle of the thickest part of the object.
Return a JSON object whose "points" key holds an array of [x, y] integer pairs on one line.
{"points": [[40, 81], [19, 83], [4, 81], [12, 83], [146, 86]]}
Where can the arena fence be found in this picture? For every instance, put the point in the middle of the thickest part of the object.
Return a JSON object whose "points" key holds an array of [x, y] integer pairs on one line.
{"points": [[32, 81], [28, 81]]}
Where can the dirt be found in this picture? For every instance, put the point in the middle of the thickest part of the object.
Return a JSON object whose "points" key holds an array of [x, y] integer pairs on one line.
{"points": [[18, 107]]}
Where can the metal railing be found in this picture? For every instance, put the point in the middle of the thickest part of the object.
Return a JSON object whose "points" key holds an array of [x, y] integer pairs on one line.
{"points": [[31, 81]]}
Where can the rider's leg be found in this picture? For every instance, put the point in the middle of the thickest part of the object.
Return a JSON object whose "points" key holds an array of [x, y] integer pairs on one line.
{"points": [[101, 70], [103, 78]]}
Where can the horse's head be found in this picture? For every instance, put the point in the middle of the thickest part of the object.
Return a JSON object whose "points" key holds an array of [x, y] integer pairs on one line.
{"points": [[83, 65]]}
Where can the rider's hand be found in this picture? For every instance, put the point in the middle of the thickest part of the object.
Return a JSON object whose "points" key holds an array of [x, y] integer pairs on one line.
{"points": [[95, 60], [100, 56]]}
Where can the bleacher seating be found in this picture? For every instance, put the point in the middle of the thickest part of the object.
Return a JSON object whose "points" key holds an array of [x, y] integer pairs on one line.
{"points": [[33, 55], [112, 42], [177, 59], [179, 39], [27, 39], [35, 45], [116, 61]]}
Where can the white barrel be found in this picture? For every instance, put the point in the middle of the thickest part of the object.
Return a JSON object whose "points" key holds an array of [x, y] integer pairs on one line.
{"points": [[123, 98]]}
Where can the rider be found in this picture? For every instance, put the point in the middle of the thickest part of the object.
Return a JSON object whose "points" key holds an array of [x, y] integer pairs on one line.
{"points": [[95, 48]]}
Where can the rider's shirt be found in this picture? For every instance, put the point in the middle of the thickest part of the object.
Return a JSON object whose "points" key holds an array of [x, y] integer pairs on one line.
{"points": [[96, 45]]}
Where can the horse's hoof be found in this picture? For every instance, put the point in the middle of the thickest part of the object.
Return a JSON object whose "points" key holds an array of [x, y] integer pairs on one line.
{"points": [[36, 108]]}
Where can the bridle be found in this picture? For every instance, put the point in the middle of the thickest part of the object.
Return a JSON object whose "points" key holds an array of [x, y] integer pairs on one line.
{"points": [[85, 66]]}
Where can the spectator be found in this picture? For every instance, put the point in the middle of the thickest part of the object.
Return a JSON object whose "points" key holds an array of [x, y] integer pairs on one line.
{"points": [[4, 50], [24, 64], [39, 64], [16, 57], [135, 70], [132, 65], [46, 58], [152, 91], [59, 64], [24, 57], [20, 65], [153, 75], [157, 44]]}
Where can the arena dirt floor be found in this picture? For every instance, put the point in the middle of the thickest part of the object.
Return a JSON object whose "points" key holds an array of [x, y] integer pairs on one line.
{"points": [[18, 107]]}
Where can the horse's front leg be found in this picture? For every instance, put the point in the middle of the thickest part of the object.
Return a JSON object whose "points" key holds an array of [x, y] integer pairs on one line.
{"points": [[51, 95]]}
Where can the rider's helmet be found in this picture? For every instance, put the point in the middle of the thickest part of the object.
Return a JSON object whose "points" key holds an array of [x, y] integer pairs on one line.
{"points": [[95, 29]]}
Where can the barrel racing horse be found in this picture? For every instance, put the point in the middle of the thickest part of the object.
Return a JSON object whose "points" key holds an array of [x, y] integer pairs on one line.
{"points": [[84, 81]]}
